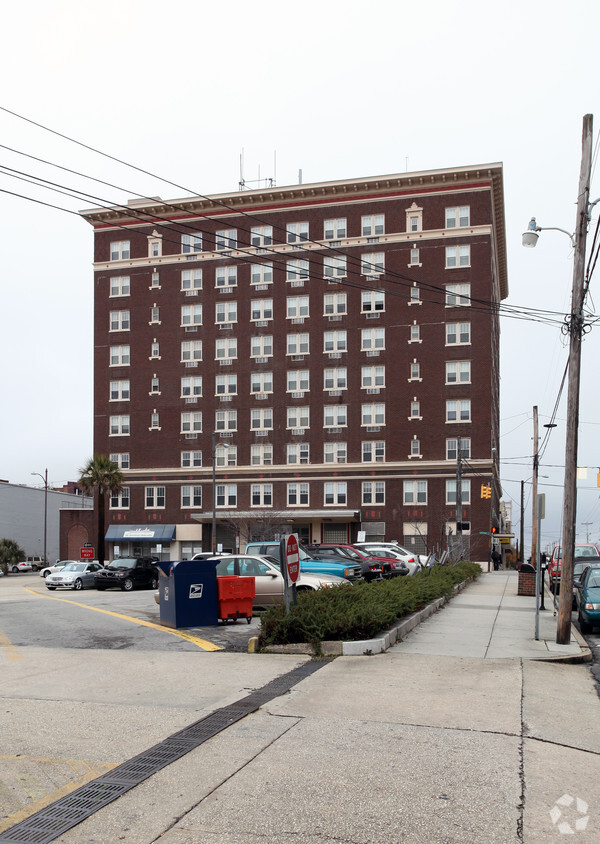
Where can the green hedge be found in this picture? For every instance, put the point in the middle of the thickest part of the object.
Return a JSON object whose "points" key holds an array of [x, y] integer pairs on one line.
{"points": [[360, 611]]}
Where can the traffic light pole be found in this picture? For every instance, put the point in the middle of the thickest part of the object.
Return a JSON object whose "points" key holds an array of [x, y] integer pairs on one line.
{"points": [[534, 504]]}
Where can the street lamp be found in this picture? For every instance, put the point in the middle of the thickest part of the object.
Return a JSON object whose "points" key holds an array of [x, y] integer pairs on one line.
{"points": [[44, 477], [213, 536], [531, 236]]}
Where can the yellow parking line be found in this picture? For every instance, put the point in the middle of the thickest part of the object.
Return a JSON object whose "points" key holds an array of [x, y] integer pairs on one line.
{"points": [[8, 649], [195, 640]]}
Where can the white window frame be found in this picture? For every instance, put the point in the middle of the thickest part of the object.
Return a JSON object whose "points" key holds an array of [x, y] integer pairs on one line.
{"points": [[458, 256], [298, 380], [458, 216], [120, 250], [191, 315], [372, 377], [298, 344], [191, 385], [261, 310], [296, 269], [452, 448], [298, 494], [335, 416], [372, 263], [121, 499], [261, 455], [372, 301], [296, 232], [121, 460], [191, 350], [119, 390], [261, 383], [458, 372], [191, 496], [225, 239], [415, 371], [119, 320], [335, 493], [119, 425], [193, 460], [120, 356], [191, 243], [373, 492], [335, 229], [298, 417], [373, 451], [261, 273], [335, 452], [296, 307], [451, 492], [335, 304], [414, 492], [191, 279], [261, 235], [297, 454], [335, 341], [261, 495], [372, 339], [226, 420], [415, 333], [460, 409], [335, 266], [226, 348], [335, 378], [120, 286], [415, 409], [225, 456], [370, 412], [226, 385], [372, 225], [226, 312], [191, 422], [261, 346], [458, 295], [226, 276], [457, 329], [226, 496]]}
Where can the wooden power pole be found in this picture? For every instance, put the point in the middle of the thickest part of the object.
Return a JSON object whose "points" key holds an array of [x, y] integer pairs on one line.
{"points": [[563, 627], [534, 503]]}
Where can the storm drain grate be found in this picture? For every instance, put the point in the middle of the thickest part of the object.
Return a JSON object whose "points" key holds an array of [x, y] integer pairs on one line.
{"points": [[47, 824]]}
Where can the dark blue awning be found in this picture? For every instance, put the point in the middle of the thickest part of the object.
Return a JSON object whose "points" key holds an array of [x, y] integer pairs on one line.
{"points": [[140, 533]]}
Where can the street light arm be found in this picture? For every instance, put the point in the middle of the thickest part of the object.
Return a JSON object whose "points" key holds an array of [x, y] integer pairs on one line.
{"points": [[530, 238]]}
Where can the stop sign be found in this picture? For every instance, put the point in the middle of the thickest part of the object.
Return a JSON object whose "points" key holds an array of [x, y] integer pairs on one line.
{"points": [[292, 559]]}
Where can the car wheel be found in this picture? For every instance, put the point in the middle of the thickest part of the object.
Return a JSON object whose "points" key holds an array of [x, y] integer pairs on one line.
{"points": [[51, 588], [583, 625], [45, 574], [127, 585], [78, 584], [15, 570], [154, 583]]}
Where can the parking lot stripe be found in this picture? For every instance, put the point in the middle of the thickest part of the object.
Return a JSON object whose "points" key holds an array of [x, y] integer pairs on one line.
{"points": [[8, 649], [204, 644]]}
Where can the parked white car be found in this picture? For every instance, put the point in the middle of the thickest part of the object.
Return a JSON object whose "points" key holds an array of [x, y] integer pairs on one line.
{"points": [[22, 566], [415, 562], [56, 567]]}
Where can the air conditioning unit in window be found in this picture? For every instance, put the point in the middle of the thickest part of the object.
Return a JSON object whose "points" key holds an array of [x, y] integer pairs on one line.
{"points": [[297, 283], [191, 292], [191, 401], [225, 434], [335, 318], [373, 429], [297, 357], [298, 395], [372, 315], [297, 321], [226, 398], [374, 353], [334, 393], [261, 433], [226, 362], [373, 391], [190, 364], [225, 289], [191, 436], [189, 329]]}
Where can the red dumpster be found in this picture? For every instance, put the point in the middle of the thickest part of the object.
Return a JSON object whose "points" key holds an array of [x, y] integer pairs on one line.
{"points": [[235, 595]]}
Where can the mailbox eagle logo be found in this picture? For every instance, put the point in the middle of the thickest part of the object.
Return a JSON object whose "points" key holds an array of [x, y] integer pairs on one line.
{"points": [[196, 590]]}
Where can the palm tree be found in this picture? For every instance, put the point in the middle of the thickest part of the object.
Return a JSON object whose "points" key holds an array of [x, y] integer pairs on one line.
{"points": [[100, 476], [10, 553]]}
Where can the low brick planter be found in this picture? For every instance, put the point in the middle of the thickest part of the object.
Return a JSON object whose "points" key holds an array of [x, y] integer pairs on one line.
{"points": [[527, 583]]}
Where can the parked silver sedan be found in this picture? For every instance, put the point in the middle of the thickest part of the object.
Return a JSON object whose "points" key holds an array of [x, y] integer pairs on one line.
{"points": [[73, 576]]}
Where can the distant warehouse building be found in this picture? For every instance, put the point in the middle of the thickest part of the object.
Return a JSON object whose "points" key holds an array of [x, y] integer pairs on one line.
{"points": [[327, 345]]}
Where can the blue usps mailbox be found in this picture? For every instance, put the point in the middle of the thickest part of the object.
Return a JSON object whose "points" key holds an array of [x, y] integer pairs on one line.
{"points": [[188, 593]]}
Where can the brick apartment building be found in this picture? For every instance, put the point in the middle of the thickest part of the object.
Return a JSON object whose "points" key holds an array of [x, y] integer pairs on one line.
{"points": [[327, 344]]}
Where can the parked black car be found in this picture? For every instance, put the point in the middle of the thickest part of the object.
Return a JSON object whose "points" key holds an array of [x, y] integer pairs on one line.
{"points": [[128, 573]]}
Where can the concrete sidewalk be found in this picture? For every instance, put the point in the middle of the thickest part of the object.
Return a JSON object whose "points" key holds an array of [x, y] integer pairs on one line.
{"points": [[456, 735]]}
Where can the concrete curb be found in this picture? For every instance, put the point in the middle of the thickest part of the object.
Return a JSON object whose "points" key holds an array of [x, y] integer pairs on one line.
{"points": [[367, 647]]}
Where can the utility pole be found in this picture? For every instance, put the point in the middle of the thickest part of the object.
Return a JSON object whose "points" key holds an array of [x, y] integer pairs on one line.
{"points": [[563, 627], [459, 513], [522, 531], [534, 503]]}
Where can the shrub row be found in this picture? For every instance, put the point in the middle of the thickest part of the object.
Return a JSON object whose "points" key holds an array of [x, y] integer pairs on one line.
{"points": [[362, 610]]}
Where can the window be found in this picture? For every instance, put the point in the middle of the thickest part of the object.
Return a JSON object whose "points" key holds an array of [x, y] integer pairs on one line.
{"points": [[226, 385], [121, 460], [452, 448], [335, 452], [225, 312], [119, 426], [335, 341], [372, 263], [458, 295], [298, 417], [372, 377], [191, 279], [154, 421], [261, 455], [119, 356], [155, 497], [226, 349], [296, 270], [261, 347], [373, 414], [155, 350], [261, 419], [451, 492], [191, 422], [298, 453], [335, 493], [120, 250], [415, 295], [414, 223], [458, 256], [415, 409], [261, 235], [414, 258], [191, 386], [371, 339], [119, 321], [414, 218], [120, 285], [154, 315], [191, 496], [191, 350], [296, 232], [415, 447], [334, 267], [415, 492], [226, 495], [458, 333], [119, 391], [334, 229], [415, 371], [335, 304], [335, 378], [296, 307], [335, 416], [226, 456], [191, 243], [261, 382], [372, 300], [261, 309], [458, 411], [297, 495], [226, 420], [226, 239], [373, 451], [154, 386], [191, 459], [458, 217], [297, 380], [226, 276], [191, 315], [297, 344], [261, 273], [415, 333], [120, 500], [155, 281], [458, 372], [373, 492], [261, 495], [372, 225]]}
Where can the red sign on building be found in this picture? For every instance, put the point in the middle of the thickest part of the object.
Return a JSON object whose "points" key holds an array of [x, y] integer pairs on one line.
{"points": [[86, 553]]}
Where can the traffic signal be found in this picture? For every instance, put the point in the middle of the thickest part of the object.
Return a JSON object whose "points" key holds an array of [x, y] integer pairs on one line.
{"points": [[494, 530], [486, 490]]}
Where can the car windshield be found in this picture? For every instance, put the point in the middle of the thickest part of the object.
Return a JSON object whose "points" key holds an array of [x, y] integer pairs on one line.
{"points": [[594, 580], [74, 567], [119, 565], [354, 554]]}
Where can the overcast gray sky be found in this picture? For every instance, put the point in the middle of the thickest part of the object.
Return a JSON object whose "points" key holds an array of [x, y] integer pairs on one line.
{"points": [[338, 90]]}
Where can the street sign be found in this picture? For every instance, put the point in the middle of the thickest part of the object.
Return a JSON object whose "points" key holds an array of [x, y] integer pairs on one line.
{"points": [[86, 553], [292, 558]]}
